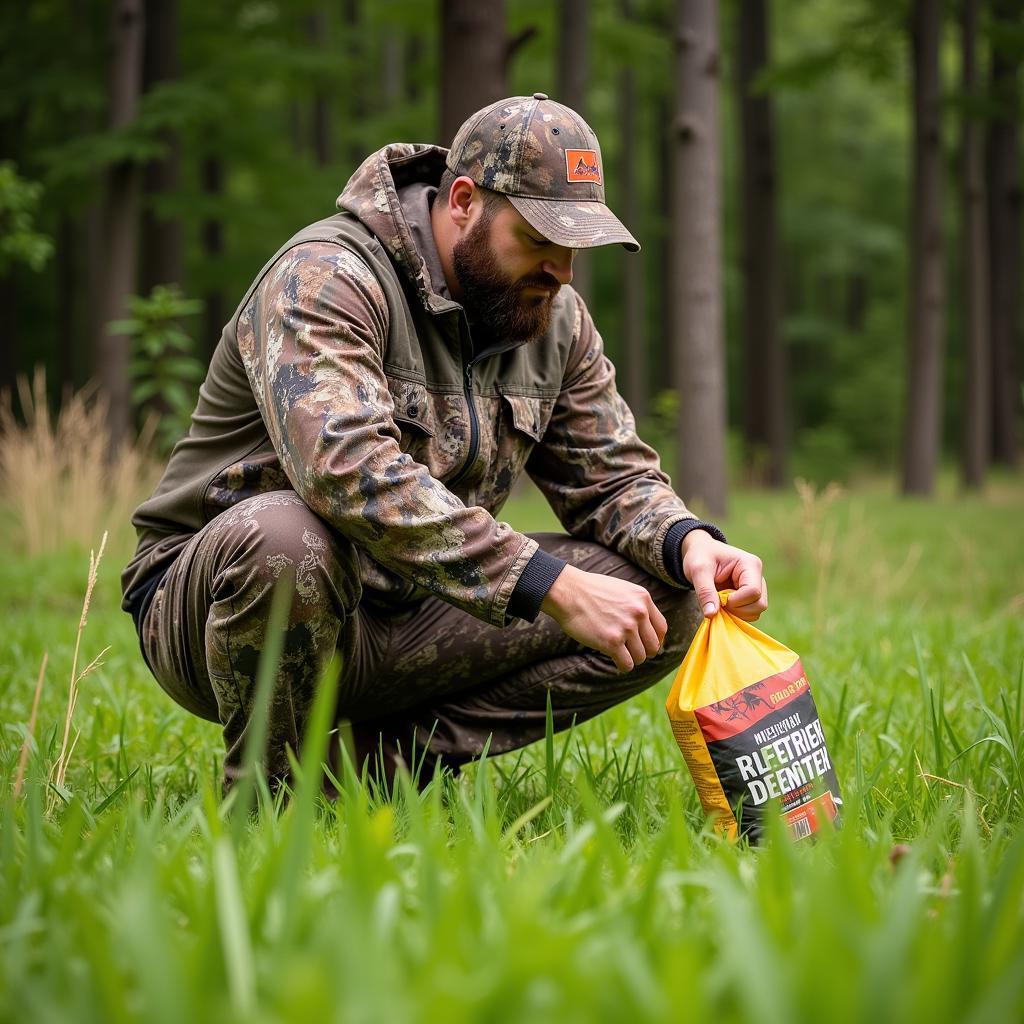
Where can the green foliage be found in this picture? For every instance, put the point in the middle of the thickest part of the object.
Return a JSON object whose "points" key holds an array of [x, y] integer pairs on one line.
{"points": [[165, 372], [20, 243], [822, 454], [573, 881], [251, 73]]}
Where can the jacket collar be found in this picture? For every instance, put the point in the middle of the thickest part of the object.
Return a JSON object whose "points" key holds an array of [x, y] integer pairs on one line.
{"points": [[389, 194]]}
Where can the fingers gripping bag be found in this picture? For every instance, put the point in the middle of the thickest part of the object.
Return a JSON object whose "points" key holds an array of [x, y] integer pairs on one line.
{"points": [[744, 718]]}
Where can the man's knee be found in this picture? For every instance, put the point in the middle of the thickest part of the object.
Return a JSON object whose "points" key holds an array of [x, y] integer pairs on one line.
{"points": [[276, 537]]}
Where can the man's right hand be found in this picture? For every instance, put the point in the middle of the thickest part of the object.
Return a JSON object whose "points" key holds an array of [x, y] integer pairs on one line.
{"points": [[613, 616]]}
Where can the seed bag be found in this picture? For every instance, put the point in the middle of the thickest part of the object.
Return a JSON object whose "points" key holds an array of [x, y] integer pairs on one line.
{"points": [[744, 718]]}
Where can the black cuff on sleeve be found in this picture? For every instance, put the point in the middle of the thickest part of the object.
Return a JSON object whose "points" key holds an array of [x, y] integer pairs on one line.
{"points": [[671, 549], [541, 571]]}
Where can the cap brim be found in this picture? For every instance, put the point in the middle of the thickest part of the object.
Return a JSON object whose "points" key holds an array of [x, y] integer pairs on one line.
{"points": [[576, 225]]}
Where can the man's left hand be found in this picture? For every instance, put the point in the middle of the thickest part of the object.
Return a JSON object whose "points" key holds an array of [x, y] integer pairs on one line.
{"points": [[711, 565]]}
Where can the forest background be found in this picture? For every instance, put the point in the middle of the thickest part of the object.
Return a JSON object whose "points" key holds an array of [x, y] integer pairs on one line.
{"points": [[865, 311]]}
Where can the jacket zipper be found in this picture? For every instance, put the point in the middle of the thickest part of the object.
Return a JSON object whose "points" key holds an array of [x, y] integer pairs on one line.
{"points": [[474, 425]]}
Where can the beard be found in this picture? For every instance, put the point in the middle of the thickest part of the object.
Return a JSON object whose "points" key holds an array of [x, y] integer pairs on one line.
{"points": [[491, 298]]}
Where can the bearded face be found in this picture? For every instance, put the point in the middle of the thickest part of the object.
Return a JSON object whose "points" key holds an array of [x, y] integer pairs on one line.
{"points": [[513, 310]]}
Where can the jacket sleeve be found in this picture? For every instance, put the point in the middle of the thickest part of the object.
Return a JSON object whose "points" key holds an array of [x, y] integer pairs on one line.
{"points": [[312, 339], [603, 482]]}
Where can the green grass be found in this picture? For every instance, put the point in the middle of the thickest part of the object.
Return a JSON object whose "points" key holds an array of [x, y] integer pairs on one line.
{"points": [[575, 881]]}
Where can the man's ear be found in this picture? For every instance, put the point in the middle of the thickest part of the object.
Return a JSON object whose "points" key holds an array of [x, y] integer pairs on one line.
{"points": [[460, 201]]}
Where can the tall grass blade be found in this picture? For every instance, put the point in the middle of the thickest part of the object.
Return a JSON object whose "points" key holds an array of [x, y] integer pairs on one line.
{"points": [[116, 792], [67, 744], [928, 698], [234, 929], [30, 732]]}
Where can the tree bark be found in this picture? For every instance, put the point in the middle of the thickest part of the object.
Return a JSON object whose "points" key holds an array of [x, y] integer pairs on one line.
{"points": [[357, 105], [696, 260], [68, 291], [472, 60], [974, 256], [12, 133], [9, 354], [665, 353], [573, 75], [635, 370], [121, 218], [392, 80], [1004, 198], [764, 374], [320, 113], [415, 48], [927, 287], [162, 242]]}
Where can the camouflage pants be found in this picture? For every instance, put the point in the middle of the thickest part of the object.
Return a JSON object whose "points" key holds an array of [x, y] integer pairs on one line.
{"points": [[430, 670]]}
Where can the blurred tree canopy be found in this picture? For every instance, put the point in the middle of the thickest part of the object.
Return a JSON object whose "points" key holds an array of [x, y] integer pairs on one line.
{"points": [[258, 112]]}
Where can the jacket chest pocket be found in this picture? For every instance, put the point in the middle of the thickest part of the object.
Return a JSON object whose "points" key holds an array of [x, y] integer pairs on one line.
{"points": [[522, 423], [413, 414], [529, 414]]}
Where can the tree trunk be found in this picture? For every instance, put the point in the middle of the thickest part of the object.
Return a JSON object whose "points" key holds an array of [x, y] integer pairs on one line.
{"points": [[213, 249], [1004, 198], [573, 75], [927, 288], [357, 104], [95, 249], [162, 243], [121, 218], [764, 376], [9, 332], [974, 256], [320, 114], [472, 60], [415, 49], [696, 260], [392, 80], [635, 370], [665, 354], [11, 147], [68, 291]]}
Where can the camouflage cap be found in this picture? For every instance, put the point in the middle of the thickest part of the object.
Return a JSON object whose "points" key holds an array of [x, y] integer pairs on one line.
{"points": [[546, 159]]}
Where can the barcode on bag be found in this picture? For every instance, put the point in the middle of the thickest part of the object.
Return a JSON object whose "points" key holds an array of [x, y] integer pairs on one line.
{"points": [[800, 827]]}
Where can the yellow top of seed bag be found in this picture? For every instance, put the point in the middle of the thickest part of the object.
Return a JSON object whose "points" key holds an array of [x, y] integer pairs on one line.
{"points": [[724, 651]]}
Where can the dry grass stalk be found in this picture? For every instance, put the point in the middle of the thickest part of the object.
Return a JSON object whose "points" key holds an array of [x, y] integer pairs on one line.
{"points": [[19, 778], [818, 536], [57, 475], [67, 746]]}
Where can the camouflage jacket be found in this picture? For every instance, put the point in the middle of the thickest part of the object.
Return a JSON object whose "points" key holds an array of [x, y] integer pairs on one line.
{"points": [[349, 374]]}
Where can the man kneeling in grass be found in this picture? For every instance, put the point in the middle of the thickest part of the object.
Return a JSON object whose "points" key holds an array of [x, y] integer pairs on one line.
{"points": [[383, 383]]}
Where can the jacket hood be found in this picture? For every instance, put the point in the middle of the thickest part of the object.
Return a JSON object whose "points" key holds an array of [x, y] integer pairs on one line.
{"points": [[371, 196]]}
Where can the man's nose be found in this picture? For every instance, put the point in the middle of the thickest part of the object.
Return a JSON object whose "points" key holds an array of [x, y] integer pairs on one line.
{"points": [[559, 265]]}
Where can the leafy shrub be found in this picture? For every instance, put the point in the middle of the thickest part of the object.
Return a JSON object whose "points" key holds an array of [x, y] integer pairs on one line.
{"points": [[20, 243], [165, 372]]}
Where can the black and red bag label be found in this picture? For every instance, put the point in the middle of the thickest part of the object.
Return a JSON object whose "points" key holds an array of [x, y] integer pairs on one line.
{"points": [[766, 744]]}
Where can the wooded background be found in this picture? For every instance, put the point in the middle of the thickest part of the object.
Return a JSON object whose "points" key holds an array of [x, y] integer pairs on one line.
{"points": [[828, 193]]}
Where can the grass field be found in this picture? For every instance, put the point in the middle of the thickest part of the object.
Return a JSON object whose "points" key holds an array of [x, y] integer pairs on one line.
{"points": [[576, 881]]}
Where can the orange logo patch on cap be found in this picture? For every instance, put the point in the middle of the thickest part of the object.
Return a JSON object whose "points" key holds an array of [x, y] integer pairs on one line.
{"points": [[582, 165]]}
